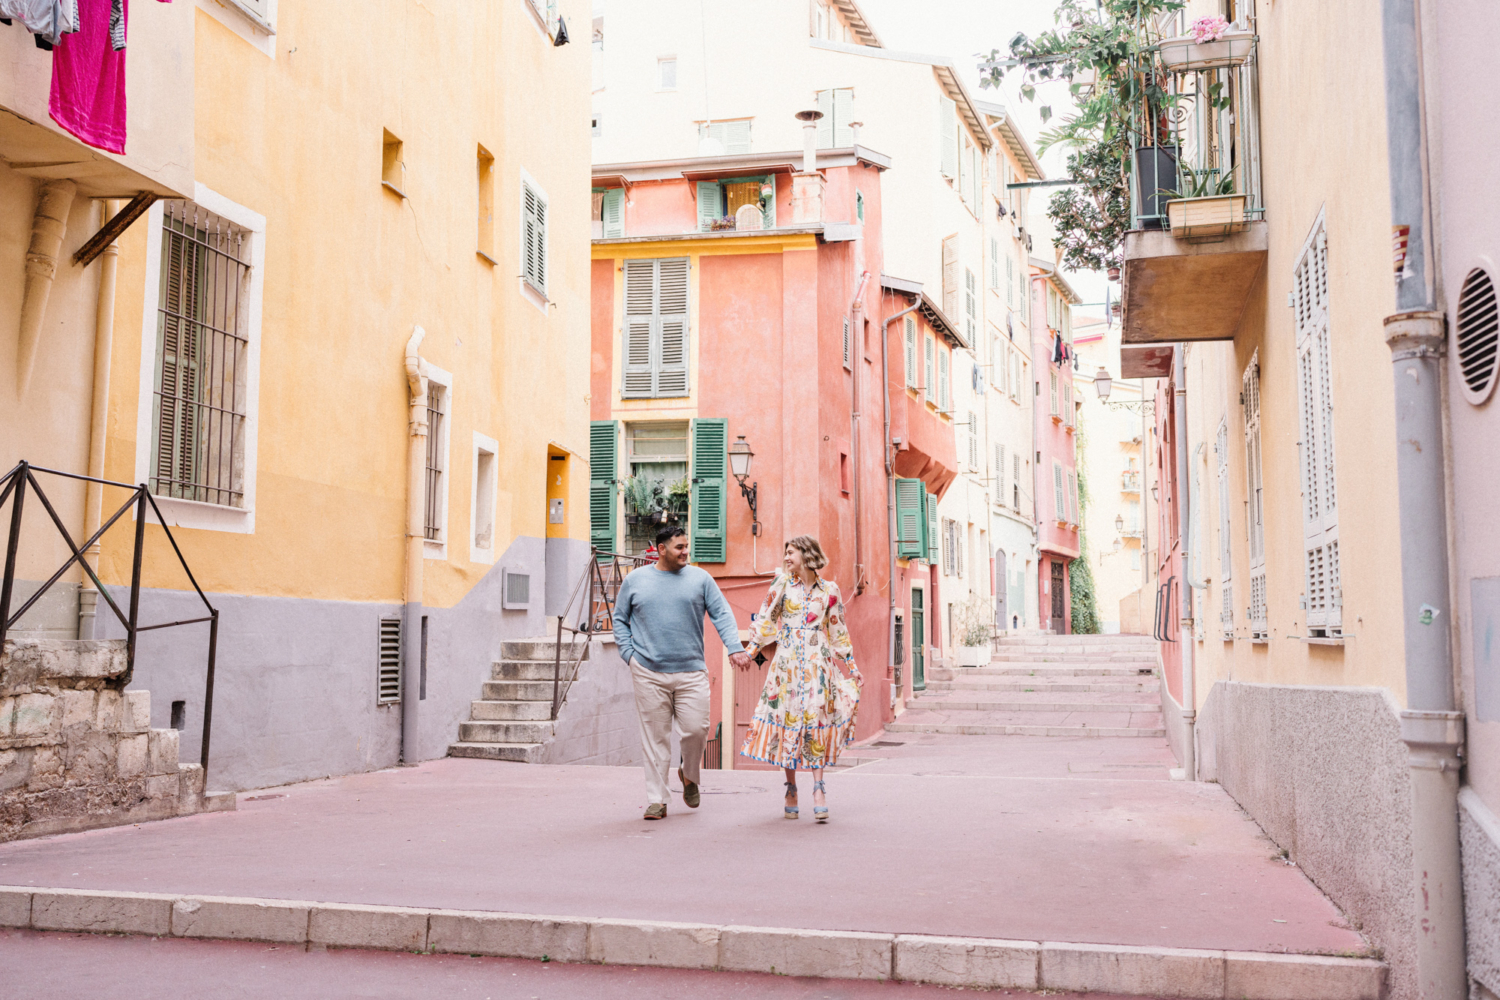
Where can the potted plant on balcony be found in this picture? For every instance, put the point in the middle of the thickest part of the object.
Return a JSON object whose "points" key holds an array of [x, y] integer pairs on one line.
{"points": [[677, 498], [972, 628], [1211, 43], [1210, 208], [637, 495]]}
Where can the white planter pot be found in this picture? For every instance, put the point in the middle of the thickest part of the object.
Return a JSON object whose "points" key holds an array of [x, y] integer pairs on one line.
{"points": [[973, 656], [1179, 55]]}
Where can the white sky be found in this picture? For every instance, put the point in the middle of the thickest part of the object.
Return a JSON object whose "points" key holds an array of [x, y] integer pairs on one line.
{"points": [[959, 29]]}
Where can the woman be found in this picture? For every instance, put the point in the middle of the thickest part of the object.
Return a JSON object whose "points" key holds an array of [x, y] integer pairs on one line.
{"points": [[806, 711]]}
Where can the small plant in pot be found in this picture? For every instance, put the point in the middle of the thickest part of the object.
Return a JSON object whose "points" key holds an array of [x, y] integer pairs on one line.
{"points": [[677, 496], [1206, 205], [971, 631]]}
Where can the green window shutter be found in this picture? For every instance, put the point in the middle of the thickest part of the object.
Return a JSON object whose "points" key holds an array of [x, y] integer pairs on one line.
{"points": [[943, 397], [928, 374], [603, 488], [637, 375], [710, 507], [932, 529], [948, 137], [614, 213], [843, 114], [910, 518], [710, 204], [825, 124]]}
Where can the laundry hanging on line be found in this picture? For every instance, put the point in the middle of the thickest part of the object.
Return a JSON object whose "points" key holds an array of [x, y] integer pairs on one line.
{"points": [[88, 75]]}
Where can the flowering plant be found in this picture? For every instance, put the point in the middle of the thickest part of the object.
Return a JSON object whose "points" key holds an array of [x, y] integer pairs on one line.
{"points": [[1209, 29]]}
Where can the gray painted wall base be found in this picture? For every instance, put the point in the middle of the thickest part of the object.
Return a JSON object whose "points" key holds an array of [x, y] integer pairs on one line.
{"points": [[295, 694], [1323, 771], [1479, 831], [598, 723]]}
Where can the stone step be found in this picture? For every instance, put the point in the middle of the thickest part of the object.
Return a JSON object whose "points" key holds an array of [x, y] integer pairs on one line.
{"points": [[526, 670], [1055, 670], [510, 711], [1043, 703], [1101, 686], [519, 753], [1059, 656], [504, 732], [538, 649], [1064, 640], [521, 690], [989, 729]]}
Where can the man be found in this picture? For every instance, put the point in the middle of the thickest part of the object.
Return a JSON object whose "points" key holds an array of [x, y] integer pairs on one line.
{"points": [[659, 630]]}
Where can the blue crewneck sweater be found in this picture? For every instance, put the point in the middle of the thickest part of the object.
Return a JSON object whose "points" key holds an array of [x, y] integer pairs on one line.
{"points": [[659, 618]]}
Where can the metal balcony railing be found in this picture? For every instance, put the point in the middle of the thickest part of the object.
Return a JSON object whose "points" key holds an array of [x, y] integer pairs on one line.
{"points": [[1130, 482]]}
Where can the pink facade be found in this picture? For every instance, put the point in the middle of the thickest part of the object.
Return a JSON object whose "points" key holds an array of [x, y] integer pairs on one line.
{"points": [[1055, 473]]}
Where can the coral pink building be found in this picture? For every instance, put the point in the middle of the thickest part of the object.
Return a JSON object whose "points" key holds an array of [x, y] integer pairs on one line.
{"points": [[1055, 416]]}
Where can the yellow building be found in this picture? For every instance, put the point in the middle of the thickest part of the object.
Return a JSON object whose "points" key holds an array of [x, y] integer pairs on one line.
{"points": [[347, 353]]}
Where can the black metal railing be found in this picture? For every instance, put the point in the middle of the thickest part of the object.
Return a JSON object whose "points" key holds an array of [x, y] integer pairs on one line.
{"points": [[713, 750], [598, 585], [1164, 611], [14, 486]]}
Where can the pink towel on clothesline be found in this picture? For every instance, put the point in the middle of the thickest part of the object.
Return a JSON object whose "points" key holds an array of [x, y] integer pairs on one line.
{"points": [[88, 79]]}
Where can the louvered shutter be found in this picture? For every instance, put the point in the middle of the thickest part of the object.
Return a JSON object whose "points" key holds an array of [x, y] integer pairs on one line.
{"points": [[950, 275], [612, 211], [735, 136], [1015, 480], [971, 307], [1067, 412], [843, 115], [1000, 474], [1319, 498], [1255, 497], [672, 324], [825, 124], [944, 394], [994, 262], [911, 352], [1053, 383], [640, 323], [534, 238], [1072, 498], [976, 178], [932, 528], [710, 204], [973, 441], [1057, 492], [928, 372], [1226, 588], [948, 137], [603, 485], [710, 472], [909, 519]]}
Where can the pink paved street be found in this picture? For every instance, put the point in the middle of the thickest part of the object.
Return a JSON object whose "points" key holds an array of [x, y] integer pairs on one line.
{"points": [[1061, 839]]}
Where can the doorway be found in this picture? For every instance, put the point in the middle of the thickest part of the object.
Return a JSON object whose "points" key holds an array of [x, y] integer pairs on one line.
{"points": [[1059, 612], [918, 634], [1002, 591]]}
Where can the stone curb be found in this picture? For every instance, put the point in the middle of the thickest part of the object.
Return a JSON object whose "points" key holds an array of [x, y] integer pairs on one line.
{"points": [[982, 963]]}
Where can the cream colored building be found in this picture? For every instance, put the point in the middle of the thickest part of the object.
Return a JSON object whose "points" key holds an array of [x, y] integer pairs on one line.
{"points": [[346, 350]]}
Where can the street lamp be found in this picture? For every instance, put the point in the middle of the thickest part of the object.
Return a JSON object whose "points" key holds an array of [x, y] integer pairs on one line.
{"points": [[1102, 382], [739, 464], [1120, 522]]}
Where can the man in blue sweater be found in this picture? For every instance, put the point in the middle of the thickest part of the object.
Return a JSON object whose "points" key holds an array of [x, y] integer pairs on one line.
{"points": [[659, 630]]}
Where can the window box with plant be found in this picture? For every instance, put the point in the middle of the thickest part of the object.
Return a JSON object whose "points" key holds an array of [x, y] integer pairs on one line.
{"points": [[1211, 43], [1210, 208]]}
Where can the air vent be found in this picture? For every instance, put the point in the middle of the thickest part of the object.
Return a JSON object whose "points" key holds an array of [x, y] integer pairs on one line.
{"points": [[517, 590], [1477, 331], [388, 675]]}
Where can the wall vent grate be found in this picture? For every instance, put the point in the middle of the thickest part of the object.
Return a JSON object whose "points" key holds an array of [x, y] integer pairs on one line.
{"points": [[388, 672], [1477, 332], [517, 590]]}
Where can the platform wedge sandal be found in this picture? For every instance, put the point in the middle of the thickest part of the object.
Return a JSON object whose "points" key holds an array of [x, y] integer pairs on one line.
{"points": [[820, 813], [790, 812]]}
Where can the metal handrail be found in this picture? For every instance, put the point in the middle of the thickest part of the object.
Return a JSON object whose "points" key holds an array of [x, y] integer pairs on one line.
{"points": [[15, 483], [596, 614]]}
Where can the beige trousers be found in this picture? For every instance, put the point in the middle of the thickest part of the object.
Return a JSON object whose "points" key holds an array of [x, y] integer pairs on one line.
{"points": [[660, 700]]}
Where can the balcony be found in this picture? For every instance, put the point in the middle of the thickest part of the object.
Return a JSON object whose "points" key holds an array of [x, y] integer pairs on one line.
{"points": [[158, 154], [1130, 482], [1198, 240]]}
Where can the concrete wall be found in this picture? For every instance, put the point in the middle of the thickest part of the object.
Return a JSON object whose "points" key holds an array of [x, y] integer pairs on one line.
{"points": [[598, 723], [1479, 829], [1324, 772]]}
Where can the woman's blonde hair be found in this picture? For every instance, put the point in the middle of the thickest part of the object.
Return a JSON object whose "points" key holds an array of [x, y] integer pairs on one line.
{"points": [[812, 552]]}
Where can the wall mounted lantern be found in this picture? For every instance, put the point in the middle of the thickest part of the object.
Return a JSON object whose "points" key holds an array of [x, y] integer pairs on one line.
{"points": [[1119, 522], [739, 464], [1102, 382]]}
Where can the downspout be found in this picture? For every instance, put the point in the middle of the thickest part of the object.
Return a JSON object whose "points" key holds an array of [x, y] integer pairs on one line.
{"points": [[1431, 726], [1184, 543], [411, 618], [93, 505], [855, 308], [47, 229], [890, 484]]}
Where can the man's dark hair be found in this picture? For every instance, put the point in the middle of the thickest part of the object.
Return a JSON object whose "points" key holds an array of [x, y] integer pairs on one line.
{"points": [[669, 532]]}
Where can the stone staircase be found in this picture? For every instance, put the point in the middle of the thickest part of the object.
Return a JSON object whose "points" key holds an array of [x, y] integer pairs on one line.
{"points": [[512, 719], [1046, 685]]}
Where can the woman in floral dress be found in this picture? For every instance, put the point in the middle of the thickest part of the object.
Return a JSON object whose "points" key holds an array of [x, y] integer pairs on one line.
{"points": [[805, 716]]}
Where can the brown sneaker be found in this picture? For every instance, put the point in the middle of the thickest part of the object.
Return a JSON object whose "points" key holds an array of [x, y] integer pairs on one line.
{"points": [[656, 810], [690, 796]]}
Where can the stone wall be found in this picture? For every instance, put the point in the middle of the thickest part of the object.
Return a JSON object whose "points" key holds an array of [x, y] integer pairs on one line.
{"points": [[76, 752], [1479, 832], [597, 723]]}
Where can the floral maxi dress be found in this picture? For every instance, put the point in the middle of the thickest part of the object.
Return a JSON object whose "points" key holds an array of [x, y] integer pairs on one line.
{"points": [[806, 711]]}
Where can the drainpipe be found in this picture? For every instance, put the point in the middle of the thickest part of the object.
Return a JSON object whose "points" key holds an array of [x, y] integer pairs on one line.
{"points": [[855, 308], [1184, 543], [47, 229], [890, 480], [1431, 726], [411, 624], [93, 506]]}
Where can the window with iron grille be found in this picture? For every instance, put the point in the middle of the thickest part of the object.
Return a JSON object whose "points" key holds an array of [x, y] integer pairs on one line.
{"points": [[198, 449], [436, 462]]}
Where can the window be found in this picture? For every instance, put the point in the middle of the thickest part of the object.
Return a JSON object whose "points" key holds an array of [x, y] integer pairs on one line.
{"points": [[948, 138], [609, 213], [1052, 375], [482, 500], [1017, 372], [929, 372], [973, 441], [1000, 474], [911, 353], [971, 307], [656, 329], [835, 128], [485, 168], [656, 457], [596, 124], [1015, 482], [1226, 589], [200, 398], [966, 170], [1059, 502], [859, 207], [1255, 500], [392, 168], [604, 483], [534, 237], [666, 73], [945, 393], [848, 345], [435, 467], [1010, 281], [1315, 389], [1067, 411], [733, 136], [950, 275], [994, 264], [722, 200]]}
